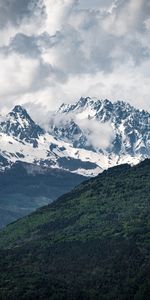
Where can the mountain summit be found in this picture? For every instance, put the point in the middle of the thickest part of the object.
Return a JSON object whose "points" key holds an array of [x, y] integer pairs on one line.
{"points": [[19, 124]]}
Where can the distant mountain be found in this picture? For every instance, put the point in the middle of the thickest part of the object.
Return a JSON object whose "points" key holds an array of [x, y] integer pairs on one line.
{"points": [[26, 187], [84, 138], [90, 244]]}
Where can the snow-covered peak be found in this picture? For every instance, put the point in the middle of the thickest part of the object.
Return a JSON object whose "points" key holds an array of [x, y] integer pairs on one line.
{"points": [[19, 124], [131, 126], [81, 104], [103, 108], [98, 105], [19, 109], [19, 115]]}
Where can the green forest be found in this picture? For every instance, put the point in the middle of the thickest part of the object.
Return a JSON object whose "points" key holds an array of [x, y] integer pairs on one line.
{"points": [[91, 244]]}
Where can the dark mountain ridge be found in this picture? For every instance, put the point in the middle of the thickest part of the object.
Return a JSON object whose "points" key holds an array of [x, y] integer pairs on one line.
{"points": [[25, 187]]}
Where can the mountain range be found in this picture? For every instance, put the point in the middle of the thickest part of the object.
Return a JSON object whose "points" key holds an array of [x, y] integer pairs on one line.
{"points": [[92, 243], [84, 138]]}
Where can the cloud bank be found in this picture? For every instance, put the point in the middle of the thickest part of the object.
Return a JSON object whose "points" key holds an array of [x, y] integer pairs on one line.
{"points": [[54, 51]]}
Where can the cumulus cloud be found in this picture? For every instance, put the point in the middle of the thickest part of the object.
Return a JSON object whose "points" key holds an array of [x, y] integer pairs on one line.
{"points": [[58, 12], [97, 4], [23, 16], [18, 73], [54, 51], [16, 12], [98, 135], [124, 17]]}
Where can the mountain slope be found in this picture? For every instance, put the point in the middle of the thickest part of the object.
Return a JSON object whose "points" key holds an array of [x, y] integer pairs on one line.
{"points": [[26, 187], [92, 243]]}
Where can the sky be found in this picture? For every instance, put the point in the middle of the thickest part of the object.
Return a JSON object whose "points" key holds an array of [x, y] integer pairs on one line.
{"points": [[55, 51]]}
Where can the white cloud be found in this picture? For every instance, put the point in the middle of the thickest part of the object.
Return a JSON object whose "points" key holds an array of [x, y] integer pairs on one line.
{"points": [[23, 16], [58, 12], [16, 74], [98, 135], [95, 4], [124, 19]]}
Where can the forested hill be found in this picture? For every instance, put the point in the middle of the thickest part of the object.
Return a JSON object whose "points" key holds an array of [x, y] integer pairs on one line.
{"points": [[92, 243]]}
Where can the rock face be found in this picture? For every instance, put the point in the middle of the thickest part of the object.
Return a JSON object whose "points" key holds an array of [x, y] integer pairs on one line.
{"points": [[85, 138]]}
